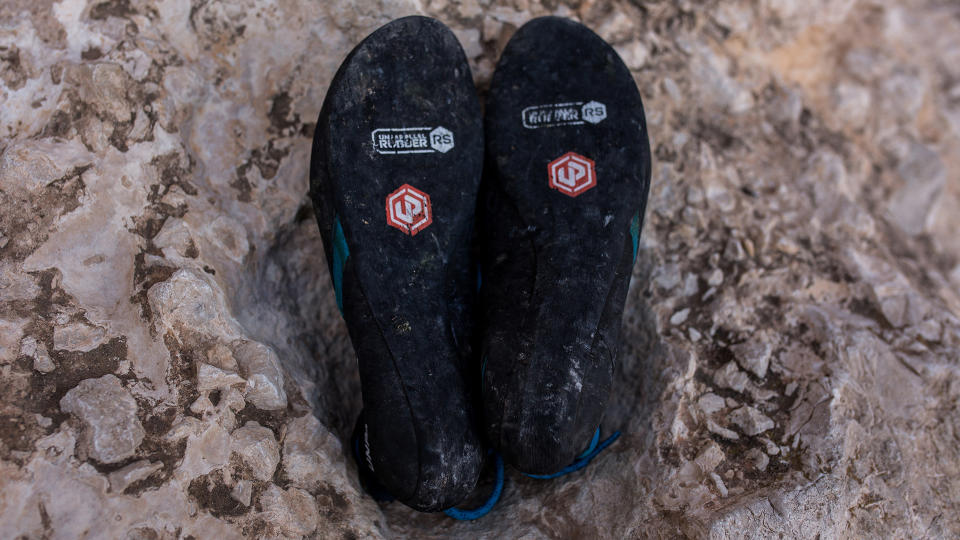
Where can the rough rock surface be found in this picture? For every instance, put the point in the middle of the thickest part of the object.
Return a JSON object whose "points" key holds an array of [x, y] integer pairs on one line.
{"points": [[790, 364], [111, 431]]}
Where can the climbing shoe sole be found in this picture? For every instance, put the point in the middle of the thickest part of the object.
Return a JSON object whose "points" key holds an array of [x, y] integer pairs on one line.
{"points": [[563, 198], [395, 168]]}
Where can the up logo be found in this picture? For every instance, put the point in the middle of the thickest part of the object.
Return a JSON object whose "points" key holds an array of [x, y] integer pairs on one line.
{"points": [[409, 210], [572, 174]]}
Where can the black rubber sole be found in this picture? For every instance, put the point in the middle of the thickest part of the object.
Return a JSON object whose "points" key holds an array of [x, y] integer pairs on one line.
{"points": [[568, 175], [396, 161]]}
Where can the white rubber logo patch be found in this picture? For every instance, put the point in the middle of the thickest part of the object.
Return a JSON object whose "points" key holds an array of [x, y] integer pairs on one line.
{"points": [[564, 114], [416, 140]]}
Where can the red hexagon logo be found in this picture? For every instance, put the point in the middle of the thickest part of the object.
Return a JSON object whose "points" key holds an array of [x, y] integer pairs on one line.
{"points": [[409, 210], [572, 174]]}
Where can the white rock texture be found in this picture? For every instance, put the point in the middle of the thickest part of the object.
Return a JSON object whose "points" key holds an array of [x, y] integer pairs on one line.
{"points": [[257, 449], [111, 428], [173, 362]]}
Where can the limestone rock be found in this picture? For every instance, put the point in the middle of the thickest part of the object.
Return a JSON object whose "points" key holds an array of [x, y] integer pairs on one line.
{"points": [[256, 447], [308, 448], [171, 352], [38, 351], [10, 332], [718, 483], [213, 378], [293, 510], [77, 337], [242, 492], [187, 303], [759, 458], [754, 355], [710, 457], [730, 376], [751, 421], [221, 357], [717, 429], [111, 429], [925, 175], [710, 403], [261, 367], [121, 479], [208, 448]]}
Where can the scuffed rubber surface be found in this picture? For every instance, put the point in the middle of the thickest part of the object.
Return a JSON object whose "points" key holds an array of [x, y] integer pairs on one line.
{"points": [[407, 287], [557, 252]]}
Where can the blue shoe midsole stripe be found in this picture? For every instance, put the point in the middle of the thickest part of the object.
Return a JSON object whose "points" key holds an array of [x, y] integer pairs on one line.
{"points": [[580, 462], [340, 255], [476, 513], [593, 444]]}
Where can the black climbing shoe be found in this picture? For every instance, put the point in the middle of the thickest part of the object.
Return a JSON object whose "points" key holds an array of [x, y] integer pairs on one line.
{"points": [[396, 164], [561, 208]]}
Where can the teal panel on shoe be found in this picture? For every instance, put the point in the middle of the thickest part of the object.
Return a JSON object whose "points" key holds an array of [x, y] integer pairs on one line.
{"points": [[635, 234], [340, 254]]}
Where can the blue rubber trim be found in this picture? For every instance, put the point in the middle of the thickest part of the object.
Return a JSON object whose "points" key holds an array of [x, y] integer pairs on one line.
{"points": [[593, 444], [635, 234], [479, 512], [581, 462], [340, 255]]}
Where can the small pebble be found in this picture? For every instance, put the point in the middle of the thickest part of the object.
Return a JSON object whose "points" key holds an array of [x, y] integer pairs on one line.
{"points": [[759, 459], [717, 429], [690, 286], [751, 421], [715, 278], [718, 482], [771, 447], [710, 403]]}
